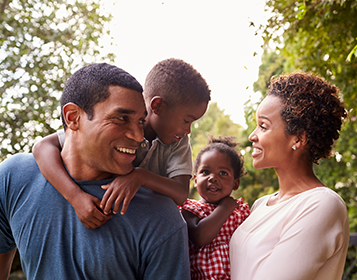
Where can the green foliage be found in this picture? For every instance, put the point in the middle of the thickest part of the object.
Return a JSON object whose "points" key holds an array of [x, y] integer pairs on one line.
{"points": [[41, 43]]}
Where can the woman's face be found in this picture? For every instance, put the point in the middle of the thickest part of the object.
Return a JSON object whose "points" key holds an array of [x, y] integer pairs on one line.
{"points": [[272, 147]]}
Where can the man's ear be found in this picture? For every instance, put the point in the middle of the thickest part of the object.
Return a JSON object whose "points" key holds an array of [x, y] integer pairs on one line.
{"points": [[71, 113], [156, 104]]}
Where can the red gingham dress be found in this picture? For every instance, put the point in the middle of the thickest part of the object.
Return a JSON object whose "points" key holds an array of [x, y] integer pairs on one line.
{"points": [[212, 261]]}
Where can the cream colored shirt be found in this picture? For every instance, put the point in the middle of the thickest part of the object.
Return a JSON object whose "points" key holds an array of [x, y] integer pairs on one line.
{"points": [[305, 237]]}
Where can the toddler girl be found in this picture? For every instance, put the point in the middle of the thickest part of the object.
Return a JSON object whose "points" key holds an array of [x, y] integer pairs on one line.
{"points": [[212, 220]]}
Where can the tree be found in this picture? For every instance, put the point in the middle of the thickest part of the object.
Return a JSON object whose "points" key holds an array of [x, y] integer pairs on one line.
{"points": [[41, 44]]}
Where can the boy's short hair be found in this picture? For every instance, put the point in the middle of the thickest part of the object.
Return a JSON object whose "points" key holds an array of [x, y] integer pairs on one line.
{"points": [[177, 83], [89, 86]]}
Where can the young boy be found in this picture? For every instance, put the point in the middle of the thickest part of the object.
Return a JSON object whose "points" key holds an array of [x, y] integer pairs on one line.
{"points": [[175, 96]]}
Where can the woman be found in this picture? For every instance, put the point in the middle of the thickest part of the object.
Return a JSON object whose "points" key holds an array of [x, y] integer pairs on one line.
{"points": [[301, 232]]}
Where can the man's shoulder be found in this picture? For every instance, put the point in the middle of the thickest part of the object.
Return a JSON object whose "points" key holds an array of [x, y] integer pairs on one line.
{"points": [[18, 161], [159, 206]]}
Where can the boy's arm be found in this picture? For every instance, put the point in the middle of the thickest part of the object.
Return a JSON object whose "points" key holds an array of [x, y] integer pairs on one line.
{"points": [[123, 188], [5, 264], [48, 158], [201, 232]]}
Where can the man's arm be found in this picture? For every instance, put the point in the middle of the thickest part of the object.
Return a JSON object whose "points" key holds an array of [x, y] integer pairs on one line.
{"points": [[5, 264]]}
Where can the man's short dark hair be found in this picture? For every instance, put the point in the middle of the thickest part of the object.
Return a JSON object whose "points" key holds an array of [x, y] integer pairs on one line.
{"points": [[89, 86]]}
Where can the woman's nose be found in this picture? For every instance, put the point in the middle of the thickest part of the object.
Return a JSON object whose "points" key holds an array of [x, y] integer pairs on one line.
{"points": [[252, 137]]}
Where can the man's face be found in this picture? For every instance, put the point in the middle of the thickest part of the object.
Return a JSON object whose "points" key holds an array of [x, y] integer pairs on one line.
{"points": [[109, 141]]}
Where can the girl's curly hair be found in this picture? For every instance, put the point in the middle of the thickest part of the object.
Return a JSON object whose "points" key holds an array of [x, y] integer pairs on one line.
{"points": [[310, 106], [225, 145]]}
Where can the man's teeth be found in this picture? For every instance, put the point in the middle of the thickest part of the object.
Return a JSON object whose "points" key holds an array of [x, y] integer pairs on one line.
{"points": [[127, 151]]}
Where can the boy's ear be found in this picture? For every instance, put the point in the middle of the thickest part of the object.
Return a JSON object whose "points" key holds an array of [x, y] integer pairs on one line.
{"points": [[71, 114], [236, 184], [156, 104]]}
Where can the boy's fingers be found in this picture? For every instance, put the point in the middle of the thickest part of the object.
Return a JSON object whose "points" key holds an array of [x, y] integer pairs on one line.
{"points": [[105, 198], [117, 204], [125, 205], [109, 203]]}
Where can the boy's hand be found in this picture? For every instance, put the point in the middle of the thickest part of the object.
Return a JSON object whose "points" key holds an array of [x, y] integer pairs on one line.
{"points": [[121, 190], [87, 210]]}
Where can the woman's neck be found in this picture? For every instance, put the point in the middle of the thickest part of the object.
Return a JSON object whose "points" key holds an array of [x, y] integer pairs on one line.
{"points": [[293, 182]]}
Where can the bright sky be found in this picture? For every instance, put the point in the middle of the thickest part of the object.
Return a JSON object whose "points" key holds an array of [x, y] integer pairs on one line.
{"points": [[214, 36]]}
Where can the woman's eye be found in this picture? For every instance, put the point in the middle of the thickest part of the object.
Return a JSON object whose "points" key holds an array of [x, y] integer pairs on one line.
{"points": [[142, 121], [186, 121], [262, 126]]}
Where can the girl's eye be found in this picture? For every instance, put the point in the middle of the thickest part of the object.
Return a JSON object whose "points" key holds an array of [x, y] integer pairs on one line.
{"points": [[205, 172], [223, 173]]}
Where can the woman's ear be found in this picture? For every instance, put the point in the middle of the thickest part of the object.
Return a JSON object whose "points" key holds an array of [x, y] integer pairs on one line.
{"points": [[71, 114], [301, 140], [236, 184], [156, 104]]}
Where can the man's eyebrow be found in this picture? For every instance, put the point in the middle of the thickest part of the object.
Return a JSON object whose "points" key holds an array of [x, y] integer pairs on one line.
{"points": [[128, 111], [125, 111]]}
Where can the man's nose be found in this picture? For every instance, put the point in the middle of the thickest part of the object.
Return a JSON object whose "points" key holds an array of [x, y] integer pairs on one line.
{"points": [[136, 133]]}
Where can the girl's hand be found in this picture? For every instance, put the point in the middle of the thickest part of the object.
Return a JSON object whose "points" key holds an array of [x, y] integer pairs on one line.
{"points": [[121, 190], [229, 203]]}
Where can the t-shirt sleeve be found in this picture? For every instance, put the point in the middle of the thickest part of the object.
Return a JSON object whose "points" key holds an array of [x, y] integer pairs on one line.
{"points": [[61, 137], [7, 242], [179, 161], [315, 231]]}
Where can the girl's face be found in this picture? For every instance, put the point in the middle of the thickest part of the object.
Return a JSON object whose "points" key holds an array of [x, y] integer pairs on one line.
{"points": [[215, 177], [272, 147]]}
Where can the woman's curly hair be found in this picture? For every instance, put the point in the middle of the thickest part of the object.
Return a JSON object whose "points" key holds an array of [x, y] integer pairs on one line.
{"points": [[225, 145], [311, 106]]}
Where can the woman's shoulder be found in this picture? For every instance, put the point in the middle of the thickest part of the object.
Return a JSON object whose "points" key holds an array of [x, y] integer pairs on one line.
{"points": [[325, 196], [320, 202]]}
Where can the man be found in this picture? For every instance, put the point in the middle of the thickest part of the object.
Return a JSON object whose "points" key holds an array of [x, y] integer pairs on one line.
{"points": [[103, 113]]}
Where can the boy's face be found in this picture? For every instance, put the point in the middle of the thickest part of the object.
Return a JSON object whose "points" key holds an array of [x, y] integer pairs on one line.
{"points": [[173, 123]]}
